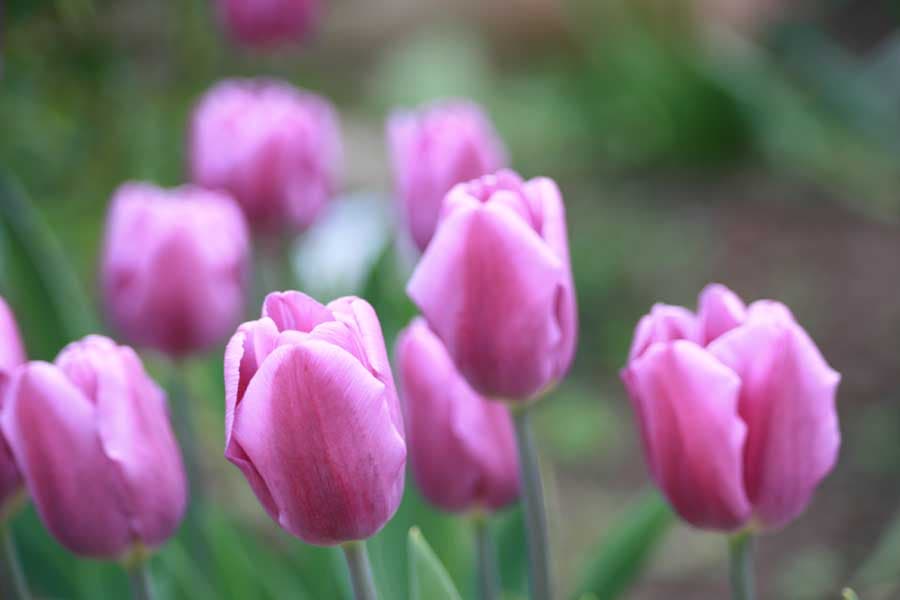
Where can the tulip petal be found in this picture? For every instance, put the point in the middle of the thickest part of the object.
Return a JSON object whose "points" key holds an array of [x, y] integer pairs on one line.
{"points": [[788, 402], [336, 473], [720, 311], [687, 404], [295, 310], [665, 323]]}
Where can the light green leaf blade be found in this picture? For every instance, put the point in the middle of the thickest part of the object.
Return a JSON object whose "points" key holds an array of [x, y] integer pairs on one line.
{"points": [[428, 579]]}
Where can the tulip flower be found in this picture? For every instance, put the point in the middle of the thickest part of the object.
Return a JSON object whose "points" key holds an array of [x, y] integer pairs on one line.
{"points": [[462, 447], [312, 417], [268, 23], [91, 435], [12, 354], [174, 267], [274, 148], [495, 285], [433, 149], [736, 407]]}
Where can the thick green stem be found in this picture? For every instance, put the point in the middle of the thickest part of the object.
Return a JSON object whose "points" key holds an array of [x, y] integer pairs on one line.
{"points": [[533, 504], [186, 430], [12, 578], [487, 560], [740, 550], [360, 570], [139, 577]]}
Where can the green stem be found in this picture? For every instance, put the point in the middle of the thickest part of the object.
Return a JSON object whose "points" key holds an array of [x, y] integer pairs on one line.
{"points": [[12, 578], [740, 550], [533, 504], [487, 559], [360, 571], [139, 577], [186, 429]]}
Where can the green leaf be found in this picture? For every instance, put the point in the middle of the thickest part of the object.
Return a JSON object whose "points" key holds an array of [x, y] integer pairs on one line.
{"points": [[428, 579], [37, 278], [621, 557]]}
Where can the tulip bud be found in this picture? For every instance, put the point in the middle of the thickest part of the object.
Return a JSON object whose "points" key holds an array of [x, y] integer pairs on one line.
{"points": [[267, 23], [273, 147], [736, 408], [462, 447], [312, 417], [174, 266], [495, 285], [91, 435], [432, 150], [12, 354]]}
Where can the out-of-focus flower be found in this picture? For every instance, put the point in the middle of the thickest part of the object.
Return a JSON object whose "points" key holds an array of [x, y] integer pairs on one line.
{"points": [[462, 447], [12, 354], [432, 150], [745, 16], [495, 285], [736, 408], [273, 147], [312, 417], [268, 23], [92, 437], [174, 266]]}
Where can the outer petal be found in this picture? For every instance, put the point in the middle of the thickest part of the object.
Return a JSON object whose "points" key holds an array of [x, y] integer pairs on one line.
{"points": [[788, 402], [462, 448], [490, 287], [51, 428], [687, 405], [665, 323], [295, 310], [12, 354], [315, 425], [720, 311]]}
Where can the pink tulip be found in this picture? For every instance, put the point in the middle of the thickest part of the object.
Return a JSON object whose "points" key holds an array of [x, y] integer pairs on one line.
{"points": [[736, 408], [432, 150], [174, 267], [273, 147], [91, 435], [312, 417], [267, 23], [495, 285], [12, 354], [462, 447]]}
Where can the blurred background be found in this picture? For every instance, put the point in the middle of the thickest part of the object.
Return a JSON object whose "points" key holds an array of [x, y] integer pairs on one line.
{"points": [[750, 142]]}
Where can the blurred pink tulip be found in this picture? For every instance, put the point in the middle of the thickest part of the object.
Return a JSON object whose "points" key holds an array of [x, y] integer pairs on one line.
{"points": [[92, 437], [267, 23], [432, 150], [12, 354], [174, 266], [462, 447], [273, 147], [495, 285], [736, 408], [312, 417]]}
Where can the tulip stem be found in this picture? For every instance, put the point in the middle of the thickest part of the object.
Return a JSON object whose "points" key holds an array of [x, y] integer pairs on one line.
{"points": [[360, 570], [139, 577], [533, 504], [487, 559], [12, 578], [740, 548]]}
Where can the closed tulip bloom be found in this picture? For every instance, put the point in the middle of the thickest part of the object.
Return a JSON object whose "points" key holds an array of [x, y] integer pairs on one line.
{"points": [[462, 447], [433, 149], [92, 437], [495, 285], [174, 267], [12, 354], [736, 408], [273, 147], [268, 23], [312, 417]]}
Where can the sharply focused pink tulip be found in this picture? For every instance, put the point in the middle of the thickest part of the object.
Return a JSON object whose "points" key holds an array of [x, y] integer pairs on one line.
{"points": [[495, 285], [174, 266], [267, 23], [432, 150], [92, 437], [462, 447], [274, 148], [12, 354], [312, 417], [736, 407]]}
